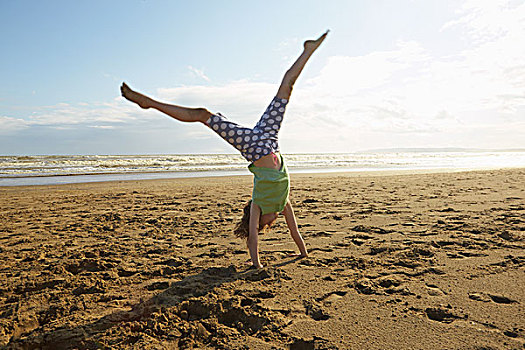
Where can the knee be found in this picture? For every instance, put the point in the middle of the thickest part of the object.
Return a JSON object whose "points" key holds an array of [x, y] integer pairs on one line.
{"points": [[289, 81], [285, 90], [203, 114], [290, 87], [290, 78]]}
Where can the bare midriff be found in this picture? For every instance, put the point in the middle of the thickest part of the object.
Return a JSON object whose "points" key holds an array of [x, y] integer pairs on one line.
{"points": [[271, 161]]}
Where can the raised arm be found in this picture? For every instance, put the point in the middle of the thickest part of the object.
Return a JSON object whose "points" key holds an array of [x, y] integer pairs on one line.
{"points": [[253, 237], [289, 216]]}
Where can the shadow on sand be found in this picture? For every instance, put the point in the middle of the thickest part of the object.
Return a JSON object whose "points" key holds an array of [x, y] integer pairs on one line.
{"points": [[185, 310]]}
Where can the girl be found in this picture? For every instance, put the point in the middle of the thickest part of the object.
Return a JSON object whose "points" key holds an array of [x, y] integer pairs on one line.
{"points": [[259, 145]]}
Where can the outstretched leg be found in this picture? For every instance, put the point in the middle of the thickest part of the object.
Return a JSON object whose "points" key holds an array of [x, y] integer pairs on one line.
{"points": [[285, 90], [184, 114]]}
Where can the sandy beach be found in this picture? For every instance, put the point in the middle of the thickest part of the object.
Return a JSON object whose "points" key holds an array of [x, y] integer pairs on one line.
{"points": [[413, 261]]}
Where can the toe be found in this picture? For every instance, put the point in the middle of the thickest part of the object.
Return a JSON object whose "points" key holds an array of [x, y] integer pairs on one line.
{"points": [[124, 89]]}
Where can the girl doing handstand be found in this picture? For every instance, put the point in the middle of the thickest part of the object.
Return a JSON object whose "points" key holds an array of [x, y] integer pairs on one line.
{"points": [[259, 146]]}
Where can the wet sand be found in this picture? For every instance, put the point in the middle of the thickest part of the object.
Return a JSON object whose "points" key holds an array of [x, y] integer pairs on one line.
{"points": [[421, 261]]}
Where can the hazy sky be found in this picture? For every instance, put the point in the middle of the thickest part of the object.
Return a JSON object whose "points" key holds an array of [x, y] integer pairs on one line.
{"points": [[425, 73]]}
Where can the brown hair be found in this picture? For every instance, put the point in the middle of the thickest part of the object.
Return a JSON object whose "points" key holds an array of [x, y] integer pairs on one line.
{"points": [[243, 228]]}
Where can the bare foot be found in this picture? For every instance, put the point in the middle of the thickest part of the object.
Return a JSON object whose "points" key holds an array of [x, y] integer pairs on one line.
{"points": [[254, 266], [312, 45], [141, 100]]}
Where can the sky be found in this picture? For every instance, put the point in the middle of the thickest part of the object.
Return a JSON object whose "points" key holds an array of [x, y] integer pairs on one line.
{"points": [[391, 74]]}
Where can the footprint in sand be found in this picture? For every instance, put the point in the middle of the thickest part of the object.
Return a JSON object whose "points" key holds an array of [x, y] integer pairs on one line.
{"points": [[316, 343], [486, 298], [479, 297], [500, 299], [332, 297], [443, 314], [345, 245], [315, 311], [434, 290]]}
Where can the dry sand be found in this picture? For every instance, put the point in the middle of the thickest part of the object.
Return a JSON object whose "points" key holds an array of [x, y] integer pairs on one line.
{"points": [[425, 261]]}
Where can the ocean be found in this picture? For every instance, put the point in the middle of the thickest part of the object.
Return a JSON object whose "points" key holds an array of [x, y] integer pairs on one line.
{"points": [[57, 169]]}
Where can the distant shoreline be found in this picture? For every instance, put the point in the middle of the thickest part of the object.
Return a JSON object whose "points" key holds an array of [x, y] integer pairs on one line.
{"points": [[42, 170], [439, 150], [148, 176]]}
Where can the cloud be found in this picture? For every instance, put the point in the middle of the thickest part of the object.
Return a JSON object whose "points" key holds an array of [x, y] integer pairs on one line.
{"points": [[111, 76], [344, 75], [404, 96], [404, 89], [287, 50], [64, 116], [242, 100], [492, 70], [488, 20], [199, 73], [102, 126], [9, 124]]}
